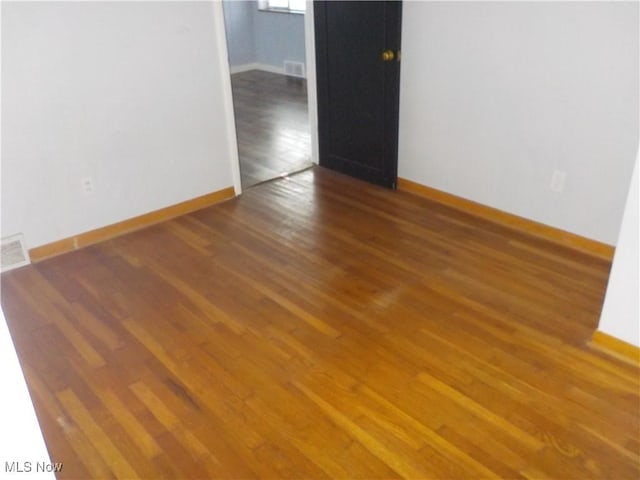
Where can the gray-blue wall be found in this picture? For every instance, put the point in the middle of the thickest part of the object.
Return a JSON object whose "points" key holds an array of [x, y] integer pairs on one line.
{"points": [[279, 37], [238, 21], [268, 38]]}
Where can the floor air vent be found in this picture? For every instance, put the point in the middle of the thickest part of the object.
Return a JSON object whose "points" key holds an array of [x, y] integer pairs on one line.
{"points": [[14, 253], [294, 69]]}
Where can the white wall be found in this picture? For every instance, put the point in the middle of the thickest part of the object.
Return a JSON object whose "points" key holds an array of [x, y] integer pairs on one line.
{"points": [[620, 313], [497, 95], [131, 94]]}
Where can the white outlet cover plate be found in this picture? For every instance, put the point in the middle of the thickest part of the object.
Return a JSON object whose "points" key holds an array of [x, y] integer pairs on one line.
{"points": [[87, 185], [557, 181]]}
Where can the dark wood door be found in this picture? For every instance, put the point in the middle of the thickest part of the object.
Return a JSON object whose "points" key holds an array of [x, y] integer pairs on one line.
{"points": [[358, 82]]}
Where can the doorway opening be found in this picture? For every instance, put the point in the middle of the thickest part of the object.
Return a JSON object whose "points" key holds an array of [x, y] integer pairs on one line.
{"points": [[266, 44]]}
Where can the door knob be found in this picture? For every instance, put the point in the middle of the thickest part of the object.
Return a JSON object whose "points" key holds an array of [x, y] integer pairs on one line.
{"points": [[388, 55]]}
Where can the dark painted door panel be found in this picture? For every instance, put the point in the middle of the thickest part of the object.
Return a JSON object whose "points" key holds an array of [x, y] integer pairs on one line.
{"points": [[358, 90]]}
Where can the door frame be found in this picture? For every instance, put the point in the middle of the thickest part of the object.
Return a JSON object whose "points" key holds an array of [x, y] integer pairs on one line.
{"points": [[225, 71]]}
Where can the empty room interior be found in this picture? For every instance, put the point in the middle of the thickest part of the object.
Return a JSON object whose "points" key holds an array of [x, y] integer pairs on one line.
{"points": [[266, 51], [172, 312]]}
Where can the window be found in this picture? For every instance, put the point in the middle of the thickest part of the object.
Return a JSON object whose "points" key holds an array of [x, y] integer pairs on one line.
{"points": [[284, 6]]}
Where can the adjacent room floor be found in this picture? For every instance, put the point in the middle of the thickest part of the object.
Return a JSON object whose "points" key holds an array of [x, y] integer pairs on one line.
{"points": [[272, 125], [317, 327]]}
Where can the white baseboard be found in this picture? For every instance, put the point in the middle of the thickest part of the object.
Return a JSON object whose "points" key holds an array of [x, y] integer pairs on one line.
{"points": [[256, 66], [242, 68]]}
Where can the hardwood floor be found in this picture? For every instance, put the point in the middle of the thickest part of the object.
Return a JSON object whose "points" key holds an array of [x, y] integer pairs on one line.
{"points": [[272, 125], [321, 327]]}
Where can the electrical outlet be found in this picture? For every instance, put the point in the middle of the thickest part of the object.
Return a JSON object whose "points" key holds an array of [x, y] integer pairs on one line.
{"points": [[557, 181], [87, 185]]}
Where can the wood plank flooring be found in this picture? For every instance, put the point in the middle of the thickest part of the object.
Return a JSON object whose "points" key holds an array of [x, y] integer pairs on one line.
{"points": [[321, 327], [272, 125]]}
